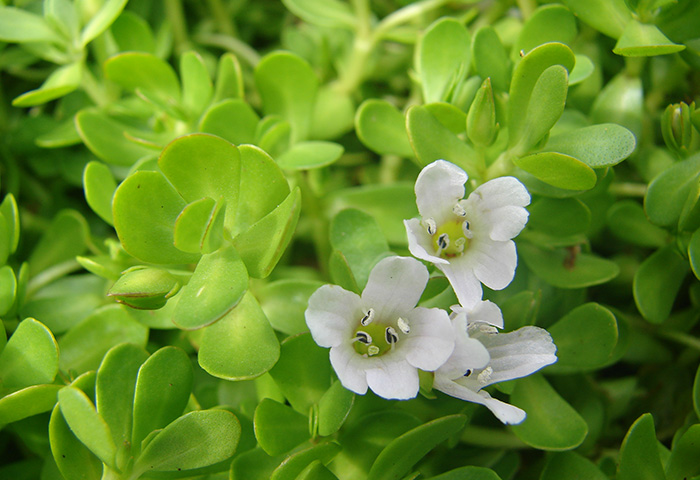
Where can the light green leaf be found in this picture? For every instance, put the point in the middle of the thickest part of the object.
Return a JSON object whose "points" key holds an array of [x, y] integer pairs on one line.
{"points": [[333, 408], [549, 23], [468, 473], [132, 33], [621, 101], [175, 448], [333, 114], [490, 58], [73, 459], [197, 88], [61, 82], [8, 289], [163, 388], [560, 217], [232, 119], [66, 237], [87, 425], [28, 402], [657, 282], [241, 345], [381, 128], [284, 303], [99, 185], [10, 212], [597, 146], [316, 471], [101, 21], [308, 155], [558, 170], [639, 453], [397, 458], [644, 40], [21, 26], [606, 16], [668, 192], [627, 221], [30, 356], [326, 13], [200, 226], [278, 428], [294, 464], [146, 73], [217, 285], [229, 79], [551, 423], [442, 58]]}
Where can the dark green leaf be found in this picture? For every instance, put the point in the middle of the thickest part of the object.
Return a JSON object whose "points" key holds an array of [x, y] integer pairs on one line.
{"points": [[657, 281]]}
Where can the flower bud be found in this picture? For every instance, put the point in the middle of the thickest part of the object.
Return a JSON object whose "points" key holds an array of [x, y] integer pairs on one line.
{"points": [[677, 128], [146, 288], [481, 119]]}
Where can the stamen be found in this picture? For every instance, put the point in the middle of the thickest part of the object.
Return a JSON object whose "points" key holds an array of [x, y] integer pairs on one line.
{"points": [[460, 243], [403, 326], [390, 335], [485, 376], [467, 373], [367, 319], [465, 229], [431, 226], [459, 210], [372, 350], [443, 241], [363, 337]]}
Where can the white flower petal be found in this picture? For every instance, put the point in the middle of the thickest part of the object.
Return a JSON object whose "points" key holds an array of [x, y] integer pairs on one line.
{"points": [[420, 243], [498, 207], [493, 263], [468, 354], [518, 354], [393, 378], [439, 187], [394, 287], [502, 192], [431, 341], [508, 222], [486, 312], [332, 315], [350, 368], [461, 276], [506, 413]]}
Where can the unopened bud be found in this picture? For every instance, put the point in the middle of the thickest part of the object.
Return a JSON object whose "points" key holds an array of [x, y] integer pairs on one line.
{"points": [[146, 288], [481, 118], [677, 128]]}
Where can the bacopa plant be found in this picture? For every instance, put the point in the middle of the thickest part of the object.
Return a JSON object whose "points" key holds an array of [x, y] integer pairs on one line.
{"points": [[331, 239]]}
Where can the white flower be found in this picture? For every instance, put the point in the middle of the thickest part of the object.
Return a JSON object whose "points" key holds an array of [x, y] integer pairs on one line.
{"points": [[381, 339], [482, 357], [468, 239]]}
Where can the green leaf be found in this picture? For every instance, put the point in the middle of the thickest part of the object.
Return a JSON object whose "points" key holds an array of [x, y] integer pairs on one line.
{"points": [[551, 423], [87, 425], [21, 26], [66, 237], [175, 447], [442, 58], [200, 226], [559, 217], [558, 170], [308, 155], [639, 453], [287, 87], [106, 138], [382, 128], [84, 346], [397, 458], [254, 464], [644, 40], [229, 79], [217, 285], [668, 192], [328, 13], [583, 69], [468, 473], [606, 16], [197, 88], [657, 282], [30, 356], [627, 221], [482, 127], [683, 461], [278, 428], [10, 212], [526, 75], [549, 23], [114, 390], [333, 408], [61, 82], [132, 33], [232, 119], [163, 388], [316, 471], [262, 245], [568, 268], [27, 402], [201, 165], [597, 146], [240, 346], [147, 202], [621, 101], [73, 459], [8, 289], [145, 73], [284, 303], [358, 237], [341, 273], [101, 21], [696, 391], [333, 114], [295, 464], [273, 135], [303, 372], [585, 339], [571, 465], [99, 185], [694, 253], [490, 58]]}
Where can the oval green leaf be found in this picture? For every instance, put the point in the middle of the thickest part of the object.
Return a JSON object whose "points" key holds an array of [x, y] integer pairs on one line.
{"points": [[639, 453], [657, 282], [278, 428], [597, 146], [308, 155], [558, 170], [382, 128], [30, 356]]}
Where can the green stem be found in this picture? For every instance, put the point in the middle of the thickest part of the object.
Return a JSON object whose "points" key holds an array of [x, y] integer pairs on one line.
{"points": [[92, 87], [242, 50], [629, 189], [176, 17], [50, 274], [222, 18], [680, 338]]}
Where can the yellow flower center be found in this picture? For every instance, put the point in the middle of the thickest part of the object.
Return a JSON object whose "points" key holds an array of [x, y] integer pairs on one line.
{"points": [[450, 240]]}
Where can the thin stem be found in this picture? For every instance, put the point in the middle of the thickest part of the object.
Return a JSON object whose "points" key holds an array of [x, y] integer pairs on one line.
{"points": [[222, 18], [51, 274], [629, 189], [176, 17], [242, 50]]}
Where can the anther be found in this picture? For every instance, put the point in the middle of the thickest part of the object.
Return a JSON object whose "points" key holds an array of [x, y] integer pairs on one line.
{"points": [[465, 230], [431, 226], [485, 375], [403, 326], [363, 337], [443, 241], [459, 210], [390, 335], [459, 243], [467, 373], [372, 350], [367, 319]]}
